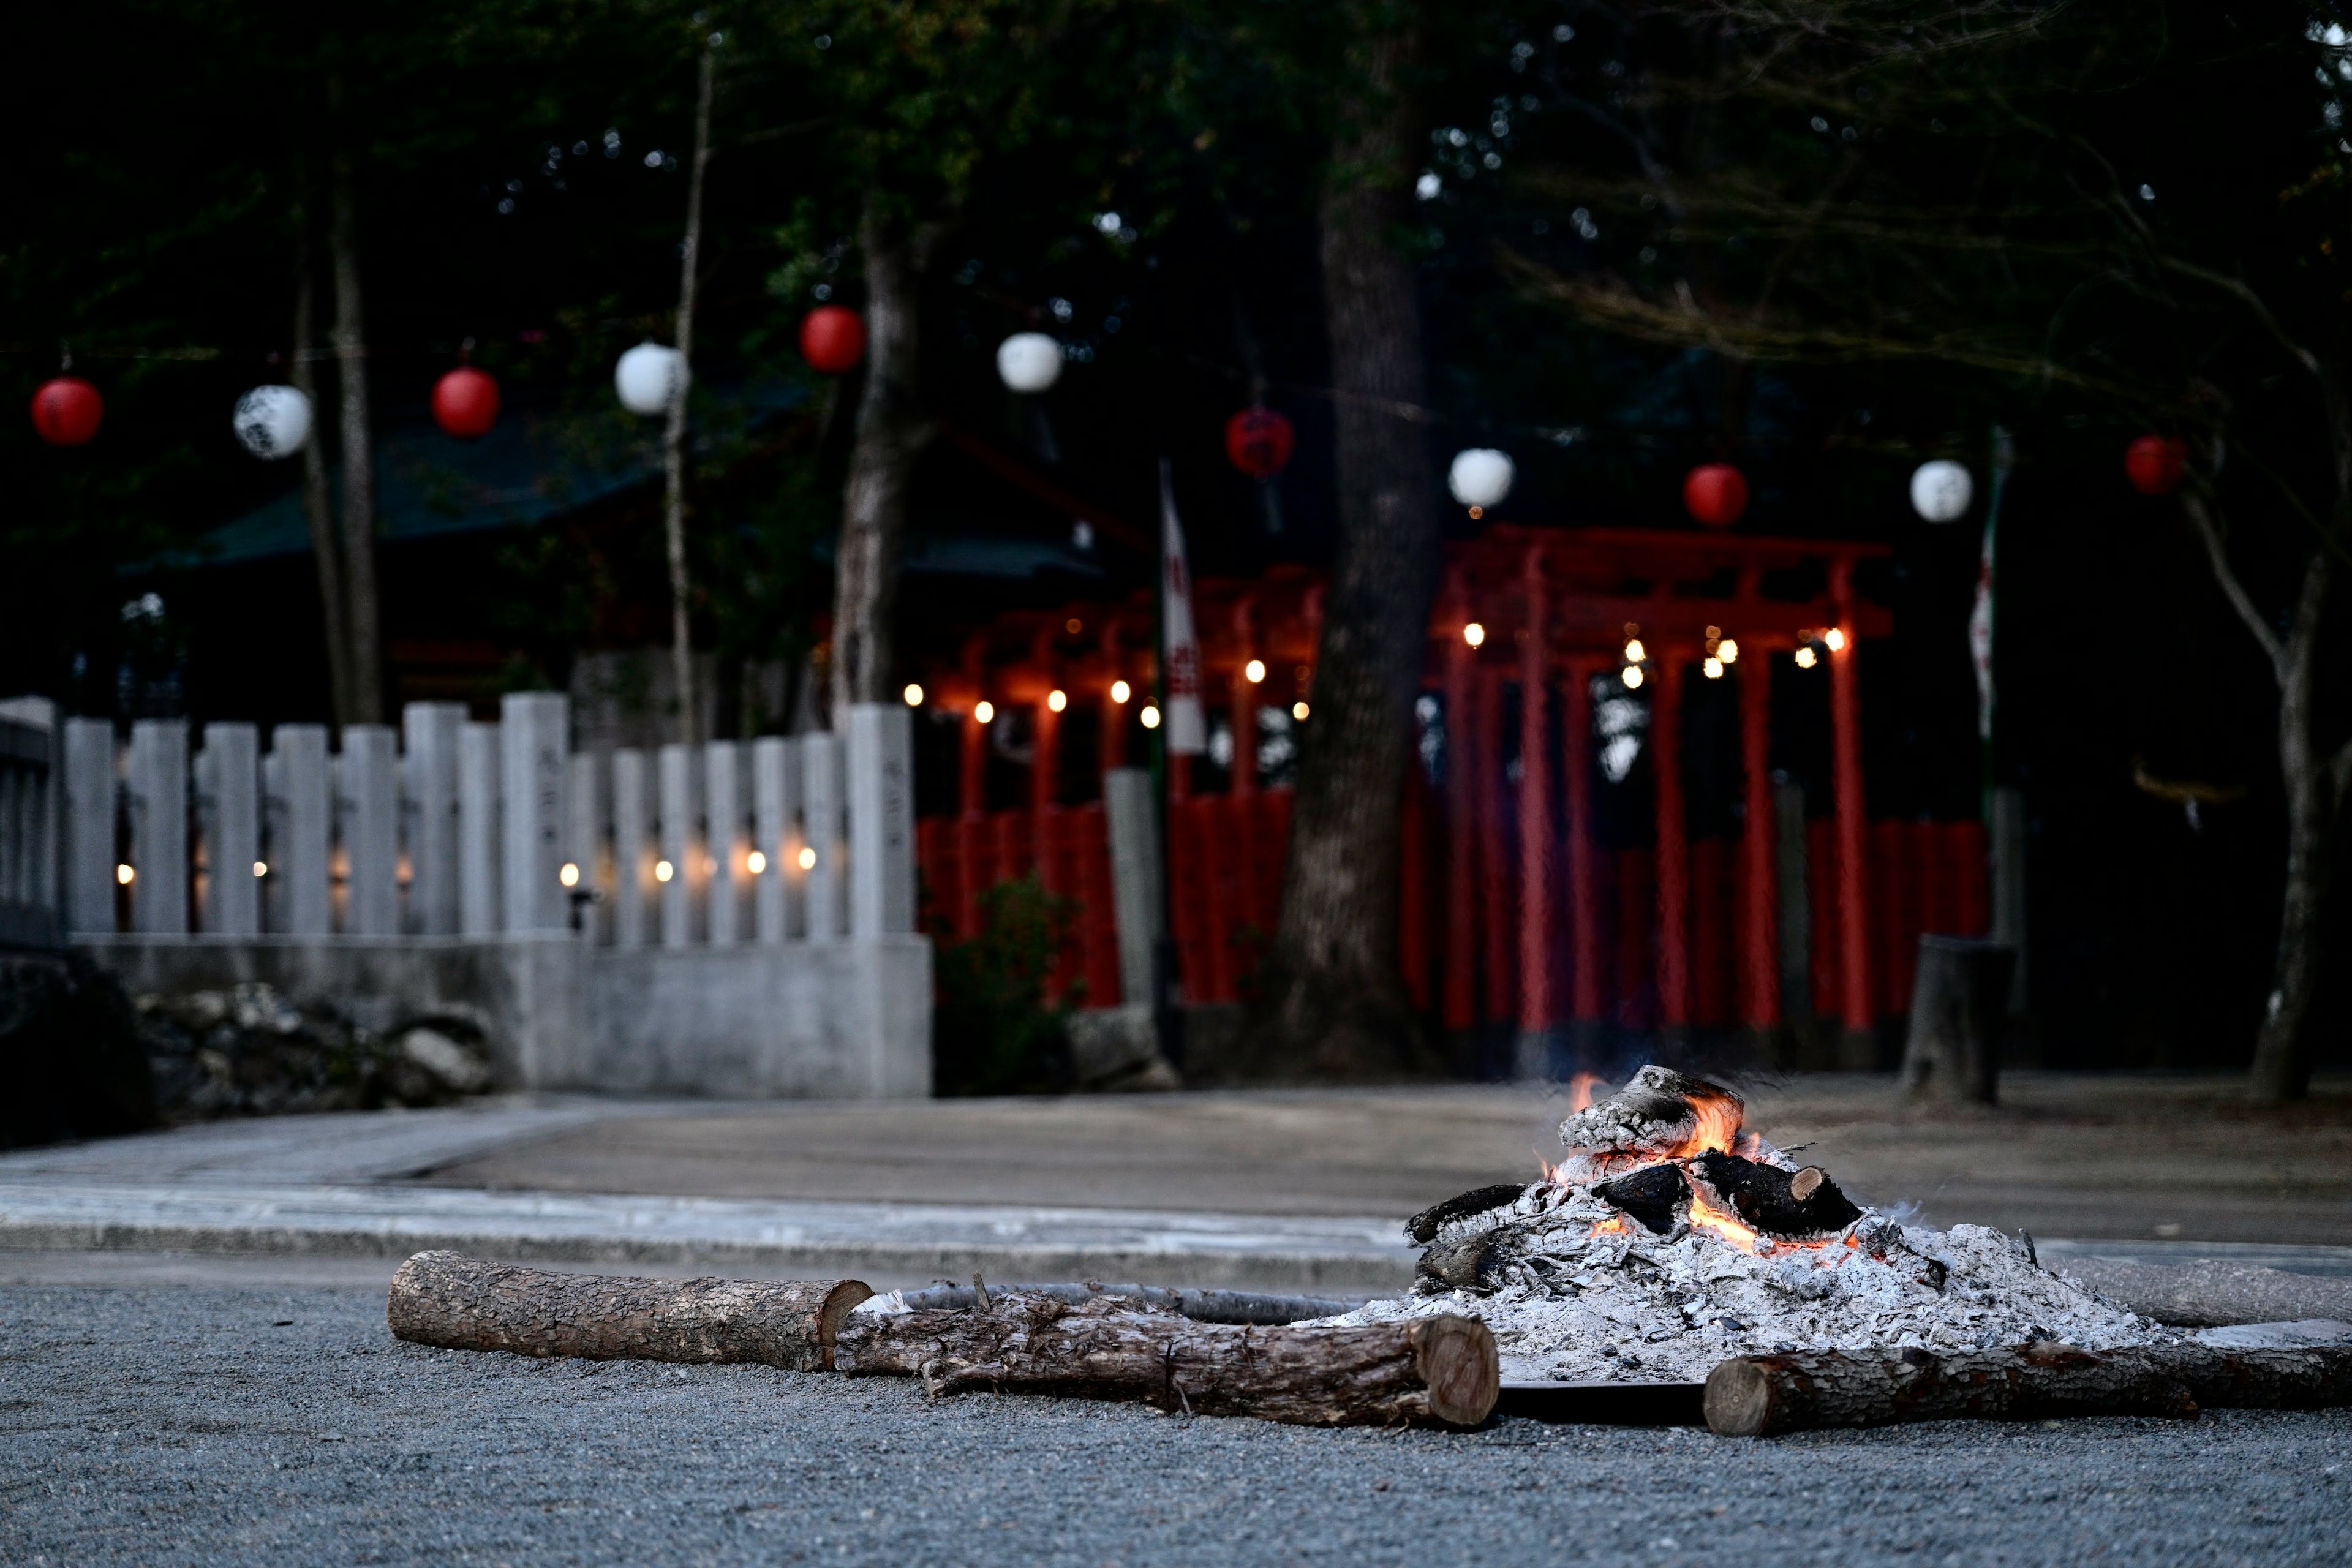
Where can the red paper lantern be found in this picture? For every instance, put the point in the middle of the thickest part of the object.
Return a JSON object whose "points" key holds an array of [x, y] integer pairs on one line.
{"points": [[465, 402], [65, 411], [1716, 494], [832, 339], [1259, 441], [2155, 464]]}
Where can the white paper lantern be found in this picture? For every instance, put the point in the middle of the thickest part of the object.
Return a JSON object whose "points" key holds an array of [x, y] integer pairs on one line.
{"points": [[1029, 362], [272, 422], [1941, 490], [1481, 476], [647, 376]]}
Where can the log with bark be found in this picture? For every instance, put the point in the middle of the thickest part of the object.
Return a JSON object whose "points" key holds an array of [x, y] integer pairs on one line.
{"points": [[1437, 1369], [462, 1303], [1759, 1396]]}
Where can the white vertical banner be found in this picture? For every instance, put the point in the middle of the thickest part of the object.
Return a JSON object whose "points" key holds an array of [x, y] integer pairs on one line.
{"points": [[1180, 650]]}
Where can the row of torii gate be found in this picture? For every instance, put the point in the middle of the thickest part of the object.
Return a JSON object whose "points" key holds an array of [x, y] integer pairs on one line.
{"points": [[1547, 609]]}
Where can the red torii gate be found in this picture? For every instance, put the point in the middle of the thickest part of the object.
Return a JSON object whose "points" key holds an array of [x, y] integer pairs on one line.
{"points": [[1552, 604]]}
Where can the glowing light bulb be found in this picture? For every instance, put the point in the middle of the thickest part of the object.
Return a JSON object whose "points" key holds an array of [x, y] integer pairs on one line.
{"points": [[755, 862], [261, 868], [1298, 712], [1151, 717], [913, 694], [1712, 670], [1833, 639], [1474, 635], [1254, 671], [1727, 651], [1058, 700], [663, 870], [1120, 691], [1632, 675], [1476, 513], [1805, 658], [123, 874], [1634, 652], [808, 857], [569, 876], [984, 710], [1074, 626]]}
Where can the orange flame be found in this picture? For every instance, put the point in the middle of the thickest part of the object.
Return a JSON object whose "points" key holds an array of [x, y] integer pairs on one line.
{"points": [[1613, 1226], [1581, 1090], [1705, 1215], [1716, 1126]]}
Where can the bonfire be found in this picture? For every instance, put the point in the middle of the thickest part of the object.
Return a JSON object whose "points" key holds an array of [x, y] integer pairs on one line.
{"points": [[1669, 1238]]}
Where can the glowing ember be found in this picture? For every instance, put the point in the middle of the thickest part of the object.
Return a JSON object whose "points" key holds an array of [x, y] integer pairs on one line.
{"points": [[1705, 1215], [1613, 1226]]}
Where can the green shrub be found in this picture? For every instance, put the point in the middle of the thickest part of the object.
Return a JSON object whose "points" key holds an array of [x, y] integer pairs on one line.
{"points": [[993, 1031]]}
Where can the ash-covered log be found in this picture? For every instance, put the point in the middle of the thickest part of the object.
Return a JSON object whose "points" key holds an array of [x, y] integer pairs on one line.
{"points": [[1759, 1396], [1466, 1263], [1651, 1196], [1424, 1226], [1792, 1203], [1659, 1114], [462, 1303], [1440, 1369]]}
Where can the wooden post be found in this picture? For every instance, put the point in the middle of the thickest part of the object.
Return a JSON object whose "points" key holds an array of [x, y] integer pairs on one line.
{"points": [[1856, 1052], [1673, 843], [1958, 1000], [1459, 1010], [1759, 934], [1583, 872], [1535, 831], [1492, 867]]}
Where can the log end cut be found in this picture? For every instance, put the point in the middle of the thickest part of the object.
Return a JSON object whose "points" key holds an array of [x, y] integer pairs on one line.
{"points": [[1740, 1399], [1457, 1361]]}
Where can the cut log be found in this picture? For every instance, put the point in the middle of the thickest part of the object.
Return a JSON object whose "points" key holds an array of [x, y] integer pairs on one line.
{"points": [[1759, 1396], [1959, 1000], [462, 1303], [1201, 1306], [1436, 1369], [1466, 1263], [1767, 1197], [1424, 1226]]}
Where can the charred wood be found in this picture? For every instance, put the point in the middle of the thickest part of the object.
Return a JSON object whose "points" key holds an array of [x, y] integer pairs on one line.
{"points": [[1424, 1226], [1779, 1203], [1651, 1196], [1759, 1396], [1440, 1369], [461, 1303], [1467, 1263]]}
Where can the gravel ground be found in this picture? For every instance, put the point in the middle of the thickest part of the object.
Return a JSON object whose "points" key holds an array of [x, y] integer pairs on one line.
{"points": [[218, 1424]]}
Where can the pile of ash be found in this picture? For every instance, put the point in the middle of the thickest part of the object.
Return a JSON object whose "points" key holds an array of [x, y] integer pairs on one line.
{"points": [[249, 1051], [1669, 1239]]}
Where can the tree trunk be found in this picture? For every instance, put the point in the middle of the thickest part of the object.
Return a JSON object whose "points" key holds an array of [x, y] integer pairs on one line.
{"points": [[892, 432], [2283, 1050], [1334, 1005], [460, 1303], [1441, 1369], [318, 497], [1958, 1003], [365, 673], [681, 586], [1759, 1396]]}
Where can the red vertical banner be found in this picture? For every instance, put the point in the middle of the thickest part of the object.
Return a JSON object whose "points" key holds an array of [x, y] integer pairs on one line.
{"points": [[1845, 735], [1460, 1008], [1759, 924], [1583, 891], [1494, 855], [1535, 808], [1673, 857]]}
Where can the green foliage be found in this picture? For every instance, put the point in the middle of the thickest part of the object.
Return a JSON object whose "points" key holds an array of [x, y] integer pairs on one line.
{"points": [[993, 1031]]}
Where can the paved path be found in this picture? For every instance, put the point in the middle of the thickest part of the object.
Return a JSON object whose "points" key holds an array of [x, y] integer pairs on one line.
{"points": [[220, 1428]]}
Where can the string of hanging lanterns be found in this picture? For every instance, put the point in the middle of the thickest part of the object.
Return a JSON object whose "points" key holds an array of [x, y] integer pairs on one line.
{"points": [[67, 411]]}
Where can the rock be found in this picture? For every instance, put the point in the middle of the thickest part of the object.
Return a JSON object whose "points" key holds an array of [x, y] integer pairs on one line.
{"points": [[253, 1052], [461, 1070], [1116, 1050]]}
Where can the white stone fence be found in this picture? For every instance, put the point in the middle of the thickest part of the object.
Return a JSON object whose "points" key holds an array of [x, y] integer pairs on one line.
{"points": [[730, 918]]}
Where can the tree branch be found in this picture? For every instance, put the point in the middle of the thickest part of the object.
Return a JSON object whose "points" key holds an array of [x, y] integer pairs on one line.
{"points": [[2215, 551]]}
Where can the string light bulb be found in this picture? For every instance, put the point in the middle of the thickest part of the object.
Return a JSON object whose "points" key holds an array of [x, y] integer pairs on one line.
{"points": [[984, 710], [1058, 700], [1805, 658], [1120, 691], [261, 868], [663, 870], [1833, 639], [1727, 650], [1474, 635], [569, 876], [1632, 676], [913, 694], [1151, 717], [808, 857], [1298, 712], [1254, 671], [755, 862], [124, 875], [1712, 670], [1634, 652]]}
